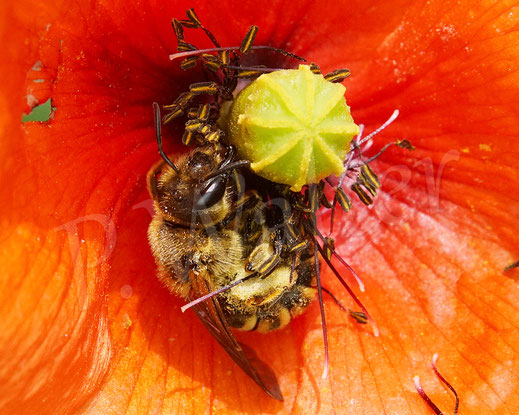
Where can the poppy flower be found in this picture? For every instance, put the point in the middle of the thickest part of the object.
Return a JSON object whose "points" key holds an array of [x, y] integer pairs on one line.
{"points": [[87, 328]]}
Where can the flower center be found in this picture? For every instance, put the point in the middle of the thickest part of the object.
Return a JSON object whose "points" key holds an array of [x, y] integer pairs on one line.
{"points": [[293, 125]]}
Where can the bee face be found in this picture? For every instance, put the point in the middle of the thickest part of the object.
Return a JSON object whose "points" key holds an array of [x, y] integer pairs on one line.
{"points": [[194, 194]]}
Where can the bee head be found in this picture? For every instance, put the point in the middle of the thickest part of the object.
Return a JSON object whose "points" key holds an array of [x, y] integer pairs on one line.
{"points": [[198, 193]]}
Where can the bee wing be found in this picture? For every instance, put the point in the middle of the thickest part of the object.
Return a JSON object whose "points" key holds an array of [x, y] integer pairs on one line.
{"points": [[210, 313]]}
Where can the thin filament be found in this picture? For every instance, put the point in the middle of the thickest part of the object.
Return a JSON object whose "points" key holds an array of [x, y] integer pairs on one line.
{"points": [[389, 121], [230, 48], [444, 381], [426, 398], [343, 262], [321, 305], [218, 291], [376, 332]]}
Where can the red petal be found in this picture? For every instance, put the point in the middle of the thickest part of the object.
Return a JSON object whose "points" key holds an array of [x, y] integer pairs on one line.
{"points": [[108, 337]]}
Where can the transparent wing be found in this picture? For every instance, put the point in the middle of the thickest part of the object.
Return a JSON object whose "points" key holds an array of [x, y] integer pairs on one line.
{"points": [[211, 315]]}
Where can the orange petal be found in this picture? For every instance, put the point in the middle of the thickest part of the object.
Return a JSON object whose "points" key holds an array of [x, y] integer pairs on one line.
{"points": [[86, 326]]}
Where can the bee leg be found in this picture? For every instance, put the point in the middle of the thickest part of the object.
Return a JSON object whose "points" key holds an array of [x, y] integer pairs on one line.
{"points": [[249, 198], [240, 206], [268, 265], [158, 133], [295, 263]]}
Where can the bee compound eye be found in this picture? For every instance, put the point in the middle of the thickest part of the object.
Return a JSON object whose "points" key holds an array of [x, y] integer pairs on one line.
{"points": [[212, 191]]}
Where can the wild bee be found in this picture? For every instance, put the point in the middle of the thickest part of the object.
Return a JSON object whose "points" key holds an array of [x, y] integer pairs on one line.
{"points": [[242, 250], [215, 232]]}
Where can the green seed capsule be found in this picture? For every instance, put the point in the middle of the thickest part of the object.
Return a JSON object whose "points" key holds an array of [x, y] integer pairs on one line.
{"points": [[293, 125]]}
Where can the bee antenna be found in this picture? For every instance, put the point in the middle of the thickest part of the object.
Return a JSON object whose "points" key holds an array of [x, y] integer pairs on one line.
{"points": [[231, 166], [158, 123]]}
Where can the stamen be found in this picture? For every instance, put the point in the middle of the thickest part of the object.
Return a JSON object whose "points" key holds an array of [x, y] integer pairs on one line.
{"points": [[231, 48], [248, 39], [225, 57], [338, 75], [355, 146], [426, 398], [376, 332], [292, 268], [512, 266], [339, 304], [321, 304], [297, 247], [444, 381], [313, 198], [347, 162], [327, 246], [359, 316], [343, 199], [315, 68], [189, 63], [178, 29], [191, 15], [364, 162], [172, 115], [389, 121], [200, 88], [194, 23], [182, 46], [252, 68], [312, 231], [248, 74], [360, 283], [212, 294], [369, 176], [363, 196]]}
